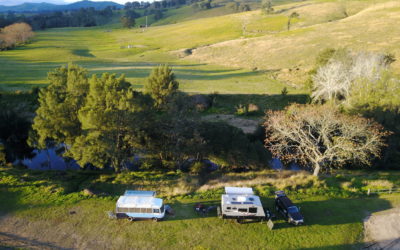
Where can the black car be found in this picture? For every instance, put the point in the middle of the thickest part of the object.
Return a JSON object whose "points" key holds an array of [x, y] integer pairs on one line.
{"points": [[286, 207]]}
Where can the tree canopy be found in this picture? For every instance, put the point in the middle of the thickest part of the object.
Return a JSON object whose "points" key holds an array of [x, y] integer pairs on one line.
{"points": [[321, 137], [161, 85]]}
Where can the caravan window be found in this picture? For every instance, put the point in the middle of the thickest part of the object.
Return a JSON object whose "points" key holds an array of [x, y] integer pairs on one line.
{"points": [[156, 211], [123, 210], [146, 210], [243, 210], [253, 210], [228, 208]]}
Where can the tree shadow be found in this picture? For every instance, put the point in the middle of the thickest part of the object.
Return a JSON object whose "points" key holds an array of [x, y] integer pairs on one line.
{"points": [[83, 52], [11, 241], [336, 211], [227, 103]]}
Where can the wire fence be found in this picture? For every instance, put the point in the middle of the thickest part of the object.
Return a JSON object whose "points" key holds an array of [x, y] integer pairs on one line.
{"points": [[383, 191]]}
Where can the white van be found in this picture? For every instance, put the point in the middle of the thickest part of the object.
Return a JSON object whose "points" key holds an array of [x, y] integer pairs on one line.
{"points": [[140, 205]]}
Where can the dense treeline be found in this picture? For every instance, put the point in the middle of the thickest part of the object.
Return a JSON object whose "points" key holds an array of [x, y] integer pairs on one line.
{"points": [[14, 35], [155, 5], [79, 18], [105, 123]]}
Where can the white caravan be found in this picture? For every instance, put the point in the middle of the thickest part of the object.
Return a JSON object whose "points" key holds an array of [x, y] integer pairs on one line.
{"points": [[240, 203]]}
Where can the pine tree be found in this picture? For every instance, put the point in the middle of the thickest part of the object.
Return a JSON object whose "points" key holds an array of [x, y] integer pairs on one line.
{"points": [[161, 85], [56, 118], [108, 124]]}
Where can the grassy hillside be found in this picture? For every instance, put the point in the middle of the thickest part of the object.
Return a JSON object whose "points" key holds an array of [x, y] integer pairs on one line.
{"points": [[134, 52], [50, 210], [370, 25], [216, 53]]}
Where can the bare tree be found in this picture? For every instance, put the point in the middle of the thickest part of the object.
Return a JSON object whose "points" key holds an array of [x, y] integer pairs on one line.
{"points": [[15, 34], [331, 82], [322, 137], [368, 66], [335, 79]]}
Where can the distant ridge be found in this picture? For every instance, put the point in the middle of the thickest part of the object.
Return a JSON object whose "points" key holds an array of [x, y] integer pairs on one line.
{"points": [[47, 7]]}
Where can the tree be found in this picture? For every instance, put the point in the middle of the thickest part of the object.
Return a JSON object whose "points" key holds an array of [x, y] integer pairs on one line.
{"points": [[266, 6], [161, 86], [57, 115], [15, 34], [2, 154], [292, 16], [322, 137], [332, 82], [127, 22], [341, 70], [108, 124]]}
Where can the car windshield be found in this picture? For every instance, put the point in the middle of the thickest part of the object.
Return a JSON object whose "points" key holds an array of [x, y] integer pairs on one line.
{"points": [[293, 210]]}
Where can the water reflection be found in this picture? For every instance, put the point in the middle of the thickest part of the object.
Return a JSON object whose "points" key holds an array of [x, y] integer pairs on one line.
{"points": [[278, 165], [47, 159]]}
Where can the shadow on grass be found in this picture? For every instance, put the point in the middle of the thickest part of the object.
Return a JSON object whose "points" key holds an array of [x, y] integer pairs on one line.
{"points": [[335, 211], [83, 52], [12, 241], [227, 103]]}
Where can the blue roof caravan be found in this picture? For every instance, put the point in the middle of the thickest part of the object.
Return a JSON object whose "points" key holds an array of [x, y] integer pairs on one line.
{"points": [[136, 204]]}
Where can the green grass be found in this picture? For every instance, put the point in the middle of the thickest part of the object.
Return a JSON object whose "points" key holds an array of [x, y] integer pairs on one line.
{"points": [[45, 199], [100, 51]]}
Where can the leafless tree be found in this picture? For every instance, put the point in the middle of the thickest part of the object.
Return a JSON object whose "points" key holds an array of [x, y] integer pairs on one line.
{"points": [[335, 79], [15, 34], [332, 81], [322, 137]]}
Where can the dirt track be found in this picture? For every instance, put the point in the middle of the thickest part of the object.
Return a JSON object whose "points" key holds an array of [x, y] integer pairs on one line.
{"points": [[382, 230]]}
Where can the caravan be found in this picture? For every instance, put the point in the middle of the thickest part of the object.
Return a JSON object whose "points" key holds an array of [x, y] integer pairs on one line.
{"points": [[140, 205], [240, 204]]}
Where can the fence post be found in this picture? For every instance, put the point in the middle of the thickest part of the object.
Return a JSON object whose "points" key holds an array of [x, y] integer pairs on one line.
{"points": [[369, 191], [390, 190]]}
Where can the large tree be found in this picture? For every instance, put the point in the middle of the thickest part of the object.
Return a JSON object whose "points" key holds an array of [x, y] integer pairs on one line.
{"points": [[109, 123], [57, 116], [322, 137], [161, 85]]}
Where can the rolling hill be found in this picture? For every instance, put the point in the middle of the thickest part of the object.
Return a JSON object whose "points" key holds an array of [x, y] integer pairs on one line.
{"points": [[47, 7]]}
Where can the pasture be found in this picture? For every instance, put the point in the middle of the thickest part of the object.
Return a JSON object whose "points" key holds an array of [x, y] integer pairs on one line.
{"points": [[61, 215]]}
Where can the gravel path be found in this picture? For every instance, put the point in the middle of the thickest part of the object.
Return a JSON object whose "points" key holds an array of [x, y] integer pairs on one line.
{"points": [[382, 230]]}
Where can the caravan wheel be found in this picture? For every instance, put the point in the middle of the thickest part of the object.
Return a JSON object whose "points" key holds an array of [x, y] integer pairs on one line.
{"points": [[155, 219], [131, 218]]}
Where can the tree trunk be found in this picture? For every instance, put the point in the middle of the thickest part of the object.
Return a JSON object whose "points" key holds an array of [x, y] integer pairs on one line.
{"points": [[317, 167]]}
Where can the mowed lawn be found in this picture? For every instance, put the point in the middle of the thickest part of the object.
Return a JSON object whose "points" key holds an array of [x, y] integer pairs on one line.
{"points": [[40, 208]]}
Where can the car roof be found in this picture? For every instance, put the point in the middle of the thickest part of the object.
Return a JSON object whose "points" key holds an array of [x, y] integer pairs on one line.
{"points": [[286, 201]]}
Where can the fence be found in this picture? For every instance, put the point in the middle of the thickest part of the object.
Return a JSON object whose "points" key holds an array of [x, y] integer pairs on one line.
{"points": [[380, 191]]}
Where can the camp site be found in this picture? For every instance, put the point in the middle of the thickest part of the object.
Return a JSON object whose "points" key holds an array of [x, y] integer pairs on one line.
{"points": [[200, 124]]}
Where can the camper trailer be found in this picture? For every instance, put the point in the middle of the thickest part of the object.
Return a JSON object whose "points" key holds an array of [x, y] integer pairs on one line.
{"points": [[140, 205], [240, 203]]}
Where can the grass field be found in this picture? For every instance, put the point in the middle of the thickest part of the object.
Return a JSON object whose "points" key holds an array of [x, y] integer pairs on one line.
{"points": [[241, 42], [50, 208], [367, 25], [101, 51]]}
